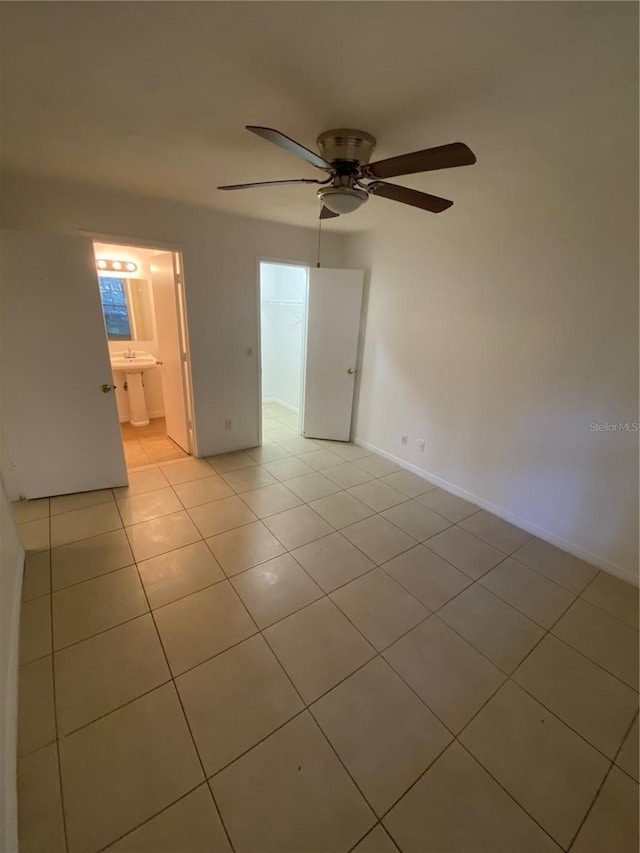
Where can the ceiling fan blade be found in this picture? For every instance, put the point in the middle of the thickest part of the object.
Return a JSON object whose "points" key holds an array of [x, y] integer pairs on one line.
{"points": [[291, 146], [325, 213], [433, 203], [270, 184], [442, 157]]}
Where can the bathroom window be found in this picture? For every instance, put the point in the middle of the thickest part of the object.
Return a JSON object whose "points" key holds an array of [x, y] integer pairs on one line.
{"points": [[113, 294]]}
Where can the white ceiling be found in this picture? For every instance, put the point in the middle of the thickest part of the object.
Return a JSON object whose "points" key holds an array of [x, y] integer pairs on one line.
{"points": [[153, 97]]}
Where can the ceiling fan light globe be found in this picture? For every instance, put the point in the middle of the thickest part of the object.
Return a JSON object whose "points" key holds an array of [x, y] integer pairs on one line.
{"points": [[342, 200]]}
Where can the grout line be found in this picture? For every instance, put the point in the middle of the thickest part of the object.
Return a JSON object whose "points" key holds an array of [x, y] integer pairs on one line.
{"points": [[290, 719], [99, 633], [507, 678], [564, 722], [118, 707], [55, 703], [93, 578], [346, 769], [327, 595], [586, 657], [380, 653], [456, 740], [307, 708], [602, 784], [368, 832], [149, 819], [515, 606], [508, 793], [184, 713], [620, 748], [349, 581], [602, 610]]}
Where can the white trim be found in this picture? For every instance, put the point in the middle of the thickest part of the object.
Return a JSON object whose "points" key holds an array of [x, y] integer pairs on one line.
{"points": [[583, 554], [156, 413], [258, 346], [235, 448], [130, 242], [281, 403], [303, 359], [179, 287]]}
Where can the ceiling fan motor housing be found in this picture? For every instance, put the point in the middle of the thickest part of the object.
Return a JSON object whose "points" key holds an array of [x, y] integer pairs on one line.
{"points": [[346, 145]]}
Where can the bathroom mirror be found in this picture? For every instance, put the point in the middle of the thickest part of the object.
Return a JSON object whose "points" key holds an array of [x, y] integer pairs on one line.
{"points": [[127, 308]]}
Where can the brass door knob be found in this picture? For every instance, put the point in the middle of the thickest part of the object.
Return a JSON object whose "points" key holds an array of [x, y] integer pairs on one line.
{"points": [[350, 371], [105, 388]]}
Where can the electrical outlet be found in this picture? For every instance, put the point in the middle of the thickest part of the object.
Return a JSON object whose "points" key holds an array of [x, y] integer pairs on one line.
{"points": [[420, 444], [404, 439], [227, 423]]}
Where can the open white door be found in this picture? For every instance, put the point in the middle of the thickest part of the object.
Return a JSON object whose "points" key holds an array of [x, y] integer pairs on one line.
{"points": [[59, 415], [333, 325], [171, 347]]}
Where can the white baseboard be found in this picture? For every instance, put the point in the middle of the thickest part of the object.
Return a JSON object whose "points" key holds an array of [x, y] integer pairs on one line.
{"points": [[157, 413], [281, 403], [583, 554], [233, 448], [288, 406]]}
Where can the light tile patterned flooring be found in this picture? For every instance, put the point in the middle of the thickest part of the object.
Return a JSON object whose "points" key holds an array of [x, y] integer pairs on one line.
{"points": [[144, 445], [302, 647]]}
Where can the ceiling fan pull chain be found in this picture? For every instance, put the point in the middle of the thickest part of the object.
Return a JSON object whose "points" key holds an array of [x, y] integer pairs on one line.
{"points": [[319, 233]]}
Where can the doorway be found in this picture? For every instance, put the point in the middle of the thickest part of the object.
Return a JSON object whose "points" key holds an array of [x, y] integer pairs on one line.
{"points": [[310, 329], [142, 297], [283, 316]]}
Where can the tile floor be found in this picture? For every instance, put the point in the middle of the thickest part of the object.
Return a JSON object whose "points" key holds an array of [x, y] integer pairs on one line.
{"points": [[143, 445], [302, 647]]}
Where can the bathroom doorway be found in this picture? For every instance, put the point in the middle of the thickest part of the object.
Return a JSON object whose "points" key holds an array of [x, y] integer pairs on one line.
{"points": [[283, 314], [142, 296]]}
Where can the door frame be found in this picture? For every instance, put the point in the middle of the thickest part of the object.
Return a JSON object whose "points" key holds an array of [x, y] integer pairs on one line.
{"points": [[284, 262], [181, 302], [183, 334]]}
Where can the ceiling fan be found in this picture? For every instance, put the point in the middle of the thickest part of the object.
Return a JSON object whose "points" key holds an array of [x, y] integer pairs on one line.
{"points": [[344, 155]]}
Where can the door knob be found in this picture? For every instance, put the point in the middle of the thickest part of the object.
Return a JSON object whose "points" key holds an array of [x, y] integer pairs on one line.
{"points": [[105, 388], [350, 371]]}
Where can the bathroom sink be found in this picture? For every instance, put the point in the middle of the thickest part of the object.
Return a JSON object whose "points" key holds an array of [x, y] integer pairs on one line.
{"points": [[136, 364], [133, 363]]}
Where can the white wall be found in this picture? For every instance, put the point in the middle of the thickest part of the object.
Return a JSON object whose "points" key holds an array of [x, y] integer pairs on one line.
{"points": [[220, 269], [282, 332], [11, 566], [498, 332]]}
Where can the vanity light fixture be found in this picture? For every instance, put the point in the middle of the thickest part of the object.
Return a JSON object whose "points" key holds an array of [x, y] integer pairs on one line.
{"points": [[116, 266]]}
